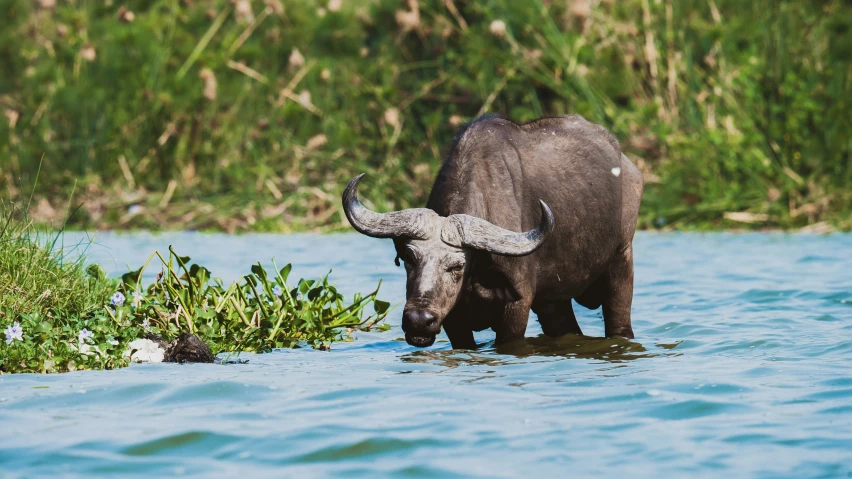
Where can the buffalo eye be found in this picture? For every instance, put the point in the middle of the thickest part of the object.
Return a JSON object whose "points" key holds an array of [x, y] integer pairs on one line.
{"points": [[455, 269]]}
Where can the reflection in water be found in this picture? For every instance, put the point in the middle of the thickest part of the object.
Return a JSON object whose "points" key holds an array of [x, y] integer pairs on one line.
{"points": [[614, 350]]}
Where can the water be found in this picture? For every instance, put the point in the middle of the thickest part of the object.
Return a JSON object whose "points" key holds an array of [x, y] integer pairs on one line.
{"points": [[741, 367]]}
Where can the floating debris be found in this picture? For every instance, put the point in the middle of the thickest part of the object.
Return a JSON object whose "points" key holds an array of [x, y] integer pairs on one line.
{"points": [[187, 348], [145, 351]]}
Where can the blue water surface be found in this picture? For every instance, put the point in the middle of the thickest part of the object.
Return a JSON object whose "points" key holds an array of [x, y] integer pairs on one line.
{"points": [[741, 367]]}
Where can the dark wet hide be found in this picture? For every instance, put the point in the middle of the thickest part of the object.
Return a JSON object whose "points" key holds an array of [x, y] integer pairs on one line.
{"points": [[187, 348]]}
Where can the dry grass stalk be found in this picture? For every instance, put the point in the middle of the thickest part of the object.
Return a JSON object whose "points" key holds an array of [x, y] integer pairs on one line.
{"points": [[276, 193], [745, 217], [451, 6], [670, 60], [125, 170], [248, 71], [248, 31], [170, 190], [210, 85], [12, 116], [316, 142]]}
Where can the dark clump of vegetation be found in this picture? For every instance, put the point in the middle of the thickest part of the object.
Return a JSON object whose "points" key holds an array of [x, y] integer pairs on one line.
{"points": [[60, 315], [252, 115]]}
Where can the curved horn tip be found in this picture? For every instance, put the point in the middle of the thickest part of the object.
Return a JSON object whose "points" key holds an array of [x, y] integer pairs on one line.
{"points": [[546, 215], [355, 181]]}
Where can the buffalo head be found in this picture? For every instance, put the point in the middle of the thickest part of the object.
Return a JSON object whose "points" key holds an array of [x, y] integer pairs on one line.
{"points": [[436, 252]]}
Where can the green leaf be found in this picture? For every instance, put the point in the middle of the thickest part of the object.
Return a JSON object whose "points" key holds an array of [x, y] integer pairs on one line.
{"points": [[380, 306], [258, 270], [130, 278], [285, 272]]}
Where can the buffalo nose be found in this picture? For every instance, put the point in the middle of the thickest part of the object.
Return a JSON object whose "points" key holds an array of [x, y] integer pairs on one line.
{"points": [[418, 321]]}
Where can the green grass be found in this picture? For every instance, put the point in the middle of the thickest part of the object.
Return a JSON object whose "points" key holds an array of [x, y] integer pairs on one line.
{"points": [[53, 296], [194, 116]]}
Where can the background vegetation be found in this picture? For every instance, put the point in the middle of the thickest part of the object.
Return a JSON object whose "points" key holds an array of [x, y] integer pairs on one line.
{"points": [[252, 115]]}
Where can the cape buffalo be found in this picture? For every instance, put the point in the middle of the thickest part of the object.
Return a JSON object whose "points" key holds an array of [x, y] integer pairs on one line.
{"points": [[565, 182]]}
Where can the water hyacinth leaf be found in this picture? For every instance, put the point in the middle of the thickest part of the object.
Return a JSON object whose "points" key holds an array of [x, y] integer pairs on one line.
{"points": [[200, 273], [131, 278], [183, 260], [285, 272], [315, 293], [380, 306], [258, 270]]}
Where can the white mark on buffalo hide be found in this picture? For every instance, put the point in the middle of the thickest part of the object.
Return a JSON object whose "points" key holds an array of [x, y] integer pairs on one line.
{"points": [[616, 171]]}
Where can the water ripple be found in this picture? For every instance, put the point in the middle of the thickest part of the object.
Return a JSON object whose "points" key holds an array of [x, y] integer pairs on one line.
{"points": [[740, 367]]}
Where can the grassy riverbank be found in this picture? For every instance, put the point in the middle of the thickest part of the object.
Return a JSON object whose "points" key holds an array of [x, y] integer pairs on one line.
{"points": [[60, 314], [252, 115]]}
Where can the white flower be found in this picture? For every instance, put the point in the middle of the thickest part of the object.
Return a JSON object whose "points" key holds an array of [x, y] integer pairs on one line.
{"points": [[14, 332], [146, 323], [117, 299], [145, 351], [137, 299], [85, 335]]}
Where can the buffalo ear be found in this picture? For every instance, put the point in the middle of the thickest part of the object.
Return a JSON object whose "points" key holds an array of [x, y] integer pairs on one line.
{"points": [[491, 284]]}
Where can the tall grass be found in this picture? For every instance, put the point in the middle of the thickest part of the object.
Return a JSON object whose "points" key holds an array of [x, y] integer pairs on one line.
{"points": [[39, 274], [252, 115]]}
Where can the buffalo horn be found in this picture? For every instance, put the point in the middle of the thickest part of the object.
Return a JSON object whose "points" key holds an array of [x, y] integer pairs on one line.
{"points": [[476, 233], [412, 223]]}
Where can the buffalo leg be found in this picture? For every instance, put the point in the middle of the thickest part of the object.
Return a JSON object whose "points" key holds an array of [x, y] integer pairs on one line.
{"points": [[513, 323], [557, 318], [619, 295], [460, 334]]}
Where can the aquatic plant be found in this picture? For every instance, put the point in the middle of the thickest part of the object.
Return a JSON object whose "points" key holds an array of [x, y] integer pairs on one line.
{"points": [[260, 312], [60, 315]]}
